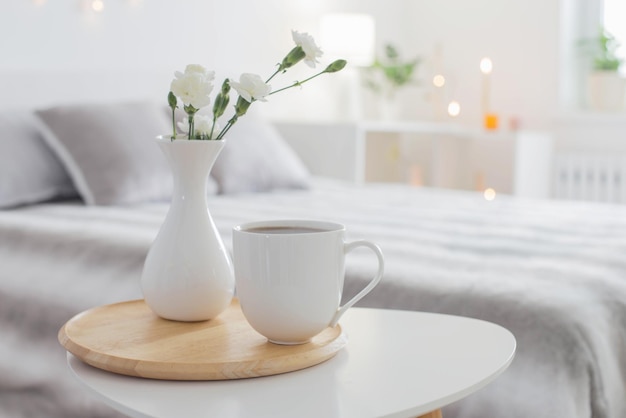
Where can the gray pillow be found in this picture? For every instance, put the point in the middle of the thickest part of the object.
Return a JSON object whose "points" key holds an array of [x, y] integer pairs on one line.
{"points": [[29, 170], [257, 159], [110, 152]]}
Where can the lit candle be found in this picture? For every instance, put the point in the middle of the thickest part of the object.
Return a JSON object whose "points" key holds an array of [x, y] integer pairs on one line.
{"points": [[489, 194], [97, 5], [454, 108], [491, 121], [486, 66], [439, 80]]}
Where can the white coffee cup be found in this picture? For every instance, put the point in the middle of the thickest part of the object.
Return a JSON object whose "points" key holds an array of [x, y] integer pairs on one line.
{"points": [[289, 276]]}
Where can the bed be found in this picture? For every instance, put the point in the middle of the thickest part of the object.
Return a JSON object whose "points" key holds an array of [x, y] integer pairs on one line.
{"points": [[74, 233]]}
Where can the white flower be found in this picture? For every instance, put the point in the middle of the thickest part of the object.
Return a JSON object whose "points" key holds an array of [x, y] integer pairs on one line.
{"points": [[251, 86], [184, 125], [201, 125], [307, 43], [191, 90], [194, 86]]}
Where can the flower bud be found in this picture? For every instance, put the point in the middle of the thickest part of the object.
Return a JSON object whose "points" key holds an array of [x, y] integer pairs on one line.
{"points": [[335, 66], [226, 87], [241, 107], [221, 101], [294, 56], [171, 100]]}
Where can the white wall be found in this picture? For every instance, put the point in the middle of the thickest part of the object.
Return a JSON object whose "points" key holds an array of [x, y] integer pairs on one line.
{"points": [[134, 46], [59, 51], [521, 38]]}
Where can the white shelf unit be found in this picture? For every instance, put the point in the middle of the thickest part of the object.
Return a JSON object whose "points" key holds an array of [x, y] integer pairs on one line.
{"points": [[425, 153]]}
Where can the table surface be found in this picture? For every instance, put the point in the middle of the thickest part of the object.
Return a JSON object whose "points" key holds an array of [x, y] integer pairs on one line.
{"points": [[396, 364]]}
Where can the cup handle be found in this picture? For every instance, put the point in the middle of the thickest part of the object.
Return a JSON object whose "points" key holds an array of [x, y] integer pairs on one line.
{"points": [[372, 284]]}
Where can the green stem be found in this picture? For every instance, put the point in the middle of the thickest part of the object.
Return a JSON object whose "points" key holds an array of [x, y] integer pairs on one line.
{"points": [[173, 124], [273, 75], [191, 133], [297, 83], [229, 124], [232, 120], [213, 127]]}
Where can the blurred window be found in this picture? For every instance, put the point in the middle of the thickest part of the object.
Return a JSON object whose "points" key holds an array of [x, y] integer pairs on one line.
{"points": [[614, 21]]}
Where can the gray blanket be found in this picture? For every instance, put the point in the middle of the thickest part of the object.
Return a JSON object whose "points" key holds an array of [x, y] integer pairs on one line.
{"points": [[554, 273]]}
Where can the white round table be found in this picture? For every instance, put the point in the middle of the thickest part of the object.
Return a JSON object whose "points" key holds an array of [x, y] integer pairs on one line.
{"points": [[396, 364]]}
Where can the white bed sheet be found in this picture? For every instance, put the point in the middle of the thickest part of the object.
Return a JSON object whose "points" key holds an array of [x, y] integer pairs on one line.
{"points": [[554, 273]]}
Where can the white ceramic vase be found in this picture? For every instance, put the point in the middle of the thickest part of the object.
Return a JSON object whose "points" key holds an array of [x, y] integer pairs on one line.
{"points": [[188, 274]]}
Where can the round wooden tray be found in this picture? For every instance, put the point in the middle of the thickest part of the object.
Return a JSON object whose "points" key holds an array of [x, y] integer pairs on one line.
{"points": [[128, 338]]}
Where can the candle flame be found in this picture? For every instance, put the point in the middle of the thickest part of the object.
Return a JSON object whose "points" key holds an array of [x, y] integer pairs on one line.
{"points": [[439, 80], [97, 5], [454, 108], [486, 65], [489, 194]]}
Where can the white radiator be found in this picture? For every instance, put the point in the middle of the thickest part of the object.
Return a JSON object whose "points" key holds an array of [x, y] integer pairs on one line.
{"points": [[600, 178]]}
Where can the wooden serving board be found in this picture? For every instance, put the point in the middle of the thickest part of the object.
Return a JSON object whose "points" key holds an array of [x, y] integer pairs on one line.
{"points": [[128, 338]]}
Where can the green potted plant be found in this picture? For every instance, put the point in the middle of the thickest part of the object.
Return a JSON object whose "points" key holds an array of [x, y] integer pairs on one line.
{"points": [[606, 87], [386, 76]]}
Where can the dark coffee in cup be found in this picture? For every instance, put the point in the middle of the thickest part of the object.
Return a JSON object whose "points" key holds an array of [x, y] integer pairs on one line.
{"points": [[284, 230]]}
